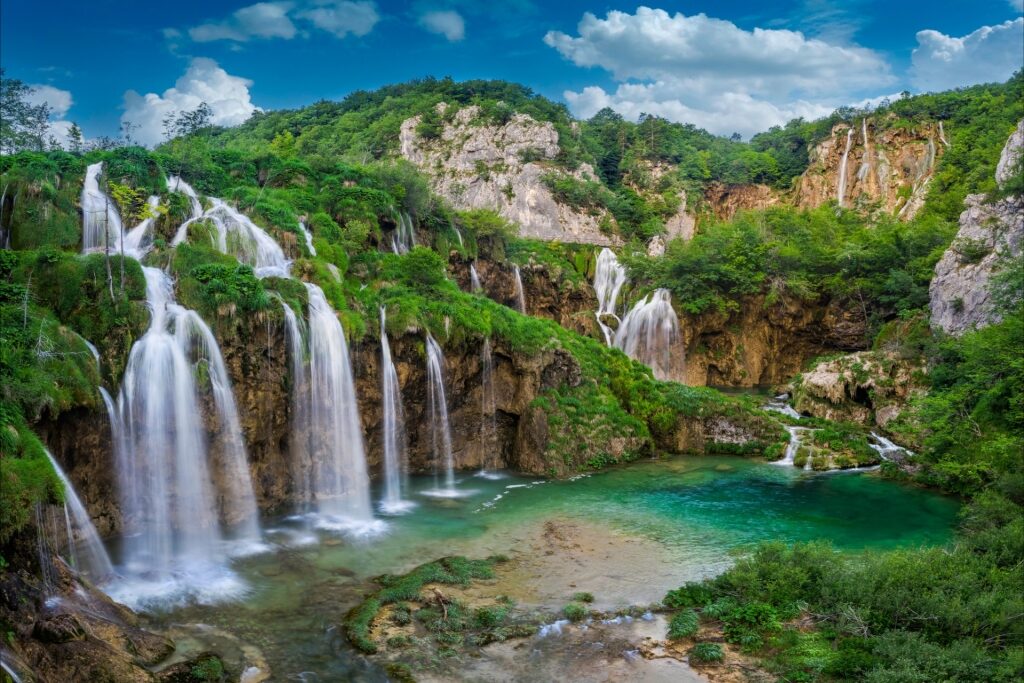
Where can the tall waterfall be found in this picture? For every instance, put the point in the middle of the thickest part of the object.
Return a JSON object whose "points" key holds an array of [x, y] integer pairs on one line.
{"points": [[404, 238], [440, 428], [841, 190], [84, 545], [168, 498], [341, 486], [520, 294], [609, 278], [474, 279], [865, 163], [301, 458], [488, 413], [648, 332], [393, 428], [101, 221]]}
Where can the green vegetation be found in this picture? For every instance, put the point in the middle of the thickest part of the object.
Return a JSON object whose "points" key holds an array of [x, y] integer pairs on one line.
{"points": [[575, 611], [706, 652], [683, 625]]}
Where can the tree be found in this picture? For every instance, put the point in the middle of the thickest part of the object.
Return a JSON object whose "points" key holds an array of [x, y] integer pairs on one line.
{"points": [[190, 122], [23, 125], [76, 141]]}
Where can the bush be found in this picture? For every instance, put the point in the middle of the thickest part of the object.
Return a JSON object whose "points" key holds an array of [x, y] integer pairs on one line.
{"points": [[683, 625], [575, 611], [707, 652]]}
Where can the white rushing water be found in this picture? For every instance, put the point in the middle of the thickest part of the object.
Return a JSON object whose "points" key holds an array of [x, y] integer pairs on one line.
{"points": [[795, 436], [865, 163], [609, 278], [520, 294], [886, 449], [84, 545], [340, 484], [841, 189], [440, 427], [404, 237], [393, 426], [174, 544], [648, 332], [942, 135], [308, 237], [780, 404], [474, 280], [101, 221], [488, 414]]}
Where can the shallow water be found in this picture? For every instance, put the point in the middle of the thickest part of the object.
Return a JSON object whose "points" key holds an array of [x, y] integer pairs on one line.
{"points": [[694, 513]]}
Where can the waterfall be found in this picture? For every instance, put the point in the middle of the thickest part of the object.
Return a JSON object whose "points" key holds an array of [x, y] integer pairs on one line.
{"points": [[341, 486], [101, 221], [609, 278], [308, 237], [648, 332], [520, 295], [780, 404], [404, 238], [140, 238], [440, 428], [942, 136], [302, 463], [474, 279], [488, 414], [792, 447], [886, 449], [176, 184], [84, 544], [174, 541], [865, 164], [842, 167], [393, 428]]}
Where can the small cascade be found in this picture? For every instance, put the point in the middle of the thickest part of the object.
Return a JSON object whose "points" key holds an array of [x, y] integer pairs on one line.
{"points": [[942, 136], [340, 484], [84, 545], [887, 450], [488, 413], [609, 278], [404, 238], [474, 280], [101, 221], [139, 239], [176, 184], [394, 429], [308, 237], [648, 332], [841, 190], [865, 162], [458, 236], [440, 428], [795, 436], [780, 404], [520, 293]]}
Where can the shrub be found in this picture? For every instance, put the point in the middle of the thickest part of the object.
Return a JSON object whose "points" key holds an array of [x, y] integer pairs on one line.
{"points": [[683, 625], [575, 611], [707, 652]]}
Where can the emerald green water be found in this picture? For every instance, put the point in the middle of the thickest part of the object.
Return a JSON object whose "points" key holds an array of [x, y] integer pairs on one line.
{"points": [[700, 511]]}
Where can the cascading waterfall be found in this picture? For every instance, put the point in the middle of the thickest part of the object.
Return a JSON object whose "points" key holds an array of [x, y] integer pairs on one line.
{"points": [[609, 278], [404, 238], [520, 294], [488, 414], [176, 184], [440, 428], [474, 280], [140, 238], [780, 404], [865, 164], [341, 486], [886, 449], [308, 237], [301, 458], [942, 136], [84, 545], [795, 436], [101, 221], [174, 541], [393, 428], [841, 190], [648, 332]]}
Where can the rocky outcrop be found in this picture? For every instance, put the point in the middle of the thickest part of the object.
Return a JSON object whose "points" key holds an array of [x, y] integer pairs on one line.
{"points": [[725, 200], [873, 164], [475, 165], [990, 233], [870, 388]]}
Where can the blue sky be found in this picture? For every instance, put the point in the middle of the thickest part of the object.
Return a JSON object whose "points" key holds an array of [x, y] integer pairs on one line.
{"points": [[727, 65]]}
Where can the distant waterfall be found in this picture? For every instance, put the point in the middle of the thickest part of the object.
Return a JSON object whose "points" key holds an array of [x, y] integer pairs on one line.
{"points": [[168, 498], [520, 294], [648, 332], [474, 280], [393, 428], [341, 486], [841, 190], [308, 238], [84, 545], [101, 221], [609, 278], [440, 428], [488, 412], [865, 163], [942, 136], [404, 237]]}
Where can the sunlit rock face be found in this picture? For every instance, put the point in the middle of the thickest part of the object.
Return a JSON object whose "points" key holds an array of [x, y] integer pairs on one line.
{"points": [[496, 167], [990, 234]]}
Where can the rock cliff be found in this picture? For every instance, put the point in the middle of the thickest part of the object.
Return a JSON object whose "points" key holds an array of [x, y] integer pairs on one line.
{"points": [[477, 165], [991, 232]]}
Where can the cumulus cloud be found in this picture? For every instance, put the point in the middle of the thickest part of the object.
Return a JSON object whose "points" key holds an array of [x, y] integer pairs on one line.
{"points": [[447, 23], [712, 73], [204, 81], [989, 54], [343, 17], [262, 20], [59, 100]]}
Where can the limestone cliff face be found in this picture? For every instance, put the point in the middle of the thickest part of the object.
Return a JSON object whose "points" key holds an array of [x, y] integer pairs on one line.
{"points": [[990, 233], [478, 166], [873, 164], [725, 200]]}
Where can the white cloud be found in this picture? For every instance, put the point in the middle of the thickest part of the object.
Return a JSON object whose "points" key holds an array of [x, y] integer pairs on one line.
{"points": [[342, 17], [204, 81], [59, 100], [262, 20], [447, 23], [989, 54], [710, 72]]}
